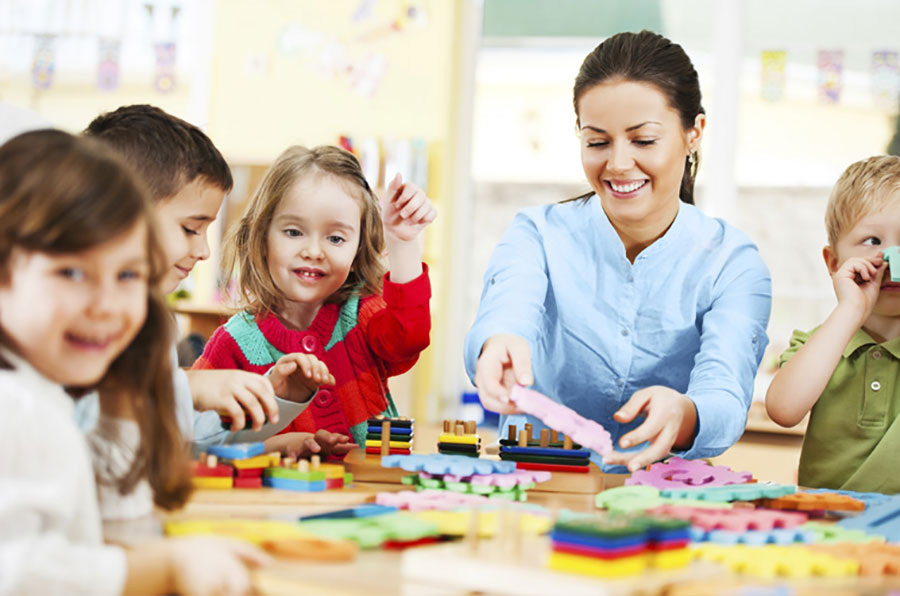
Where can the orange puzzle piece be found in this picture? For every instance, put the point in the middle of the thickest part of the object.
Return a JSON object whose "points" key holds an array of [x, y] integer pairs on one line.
{"points": [[814, 502]]}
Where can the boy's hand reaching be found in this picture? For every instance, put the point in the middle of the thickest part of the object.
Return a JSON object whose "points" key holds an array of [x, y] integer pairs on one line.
{"points": [[296, 377], [406, 211], [857, 283], [235, 393], [298, 445]]}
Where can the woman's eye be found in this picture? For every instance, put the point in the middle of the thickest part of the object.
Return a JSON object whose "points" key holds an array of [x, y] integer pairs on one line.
{"points": [[872, 241], [190, 232], [597, 143], [644, 142]]}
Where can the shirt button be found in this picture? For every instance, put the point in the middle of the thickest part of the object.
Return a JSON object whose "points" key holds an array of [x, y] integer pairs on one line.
{"points": [[875, 385], [619, 382], [624, 332], [876, 354], [630, 278], [323, 397], [309, 343]]}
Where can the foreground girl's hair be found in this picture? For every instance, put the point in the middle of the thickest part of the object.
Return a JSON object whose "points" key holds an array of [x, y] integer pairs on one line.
{"points": [[63, 194]]}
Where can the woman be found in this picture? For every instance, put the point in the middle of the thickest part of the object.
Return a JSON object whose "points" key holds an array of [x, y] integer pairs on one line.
{"points": [[628, 304]]}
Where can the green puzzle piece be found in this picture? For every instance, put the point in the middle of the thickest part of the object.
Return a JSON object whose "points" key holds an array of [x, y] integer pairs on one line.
{"points": [[372, 532], [892, 256], [632, 499]]}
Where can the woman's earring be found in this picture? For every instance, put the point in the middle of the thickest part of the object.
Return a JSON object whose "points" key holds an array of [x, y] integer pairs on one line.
{"points": [[691, 158]]}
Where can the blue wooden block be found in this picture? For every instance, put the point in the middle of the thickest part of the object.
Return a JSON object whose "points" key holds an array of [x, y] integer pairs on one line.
{"points": [[367, 510], [395, 430], [602, 542], [582, 453], [439, 463], [882, 519], [298, 485], [892, 256], [237, 450]]}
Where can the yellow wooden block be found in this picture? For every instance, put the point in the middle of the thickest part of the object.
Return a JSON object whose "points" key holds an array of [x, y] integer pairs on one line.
{"points": [[456, 523], [459, 439], [332, 470], [394, 444], [213, 482], [251, 530], [597, 567], [260, 461]]}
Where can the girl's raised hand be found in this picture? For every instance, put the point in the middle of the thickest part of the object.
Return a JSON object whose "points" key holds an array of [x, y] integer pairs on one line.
{"points": [[297, 376], [671, 419], [406, 210]]}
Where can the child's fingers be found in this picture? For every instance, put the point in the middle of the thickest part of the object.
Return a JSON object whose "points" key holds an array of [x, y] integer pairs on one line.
{"points": [[265, 394], [312, 445], [413, 204], [408, 198], [393, 188], [233, 410], [250, 403], [343, 448], [421, 214], [249, 554]]}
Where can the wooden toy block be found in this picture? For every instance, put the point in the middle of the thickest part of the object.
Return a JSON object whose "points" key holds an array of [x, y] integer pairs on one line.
{"points": [[558, 444], [545, 459], [372, 532], [776, 561], [394, 437], [214, 482], [249, 473], [332, 471], [390, 451], [732, 492], [367, 467], [892, 257], [248, 482], [459, 447], [393, 444], [682, 473], [237, 450], [217, 470], [290, 484], [547, 451], [632, 499], [814, 502], [464, 439], [596, 567], [523, 438], [295, 474], [256, 462], [555, 415], [525, 465], [400, 422], [486, 524], [882, 519], [333, 483], [312, 549], [395, 430], [874, 559]]}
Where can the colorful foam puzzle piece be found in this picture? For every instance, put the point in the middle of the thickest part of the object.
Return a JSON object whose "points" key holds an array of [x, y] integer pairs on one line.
{"points": [[868, 498], [827, 533], [438, 463], [587, 432], [683, 473], [237, 450], [892, 256], [782, 536], [774, 560], [882, 519], [514, 492], [804, 501], [874, 559], [429, 499], [731, 492], [632, 499], [733, 520], [371, 532]]}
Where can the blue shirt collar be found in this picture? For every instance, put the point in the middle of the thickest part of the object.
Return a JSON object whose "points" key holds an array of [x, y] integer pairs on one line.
{"points": [[609, 236]]}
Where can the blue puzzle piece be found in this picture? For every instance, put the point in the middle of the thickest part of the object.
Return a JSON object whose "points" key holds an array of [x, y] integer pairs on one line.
{"points": [[892, 256], [298, 485], [367, 510], [395, 430], [731, 492], [598, 541], [546, 451], [237, 450], [882, 519], [753, 537], [439, 463]]}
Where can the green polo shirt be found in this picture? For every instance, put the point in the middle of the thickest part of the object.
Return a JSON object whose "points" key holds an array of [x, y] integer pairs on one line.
{"points": [[853, 438]]}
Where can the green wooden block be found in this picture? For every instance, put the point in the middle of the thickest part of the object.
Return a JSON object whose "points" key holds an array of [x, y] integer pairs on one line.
{"points": [[294, 474]]}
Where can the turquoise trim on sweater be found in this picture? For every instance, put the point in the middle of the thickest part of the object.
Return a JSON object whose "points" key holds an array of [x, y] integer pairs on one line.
{"points": [[346, 321], [254, 345]]}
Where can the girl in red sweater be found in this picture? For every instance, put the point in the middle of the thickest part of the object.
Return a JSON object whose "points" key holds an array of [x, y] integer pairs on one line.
{"points": [[314, 289]]}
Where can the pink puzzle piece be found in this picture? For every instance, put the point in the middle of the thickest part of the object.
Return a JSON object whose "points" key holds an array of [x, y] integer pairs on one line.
{"points": [[427, 500], [503, 480], [560, 418], [733, 520], [683, 473]]}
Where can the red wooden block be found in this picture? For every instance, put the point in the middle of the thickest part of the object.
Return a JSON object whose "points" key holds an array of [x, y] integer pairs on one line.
{"points": [[220, 471], [331, 483], [599, 553], [393, 451], [400, 545], [248, 482], [522, 465], [248, 473]]}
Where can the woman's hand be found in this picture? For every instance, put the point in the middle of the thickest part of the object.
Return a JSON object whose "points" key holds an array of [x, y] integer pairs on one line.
{"points": [[297, 376], [671, 418], [505, 361], [234, 393]]}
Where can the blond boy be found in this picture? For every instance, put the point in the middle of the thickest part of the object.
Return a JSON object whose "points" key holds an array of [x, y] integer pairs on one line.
{"points": [[846, 372]]}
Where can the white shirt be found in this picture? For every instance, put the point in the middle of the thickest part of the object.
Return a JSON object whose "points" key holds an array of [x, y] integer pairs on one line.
{"points": [[50, 533]]}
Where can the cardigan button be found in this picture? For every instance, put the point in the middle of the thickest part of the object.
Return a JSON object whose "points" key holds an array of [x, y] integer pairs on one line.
{"points": [[324, 397], [309, 343]]}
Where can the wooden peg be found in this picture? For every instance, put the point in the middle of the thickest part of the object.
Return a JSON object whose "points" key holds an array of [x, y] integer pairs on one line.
{"points": [[211, 461], [523, 439], [554, 436], [446, 426], [470, 427], [303, 465], [567, 442], [288, 462], [528, 430], [385, 438], [512, 432], [459, 429], [315, 461], [545, 437]]}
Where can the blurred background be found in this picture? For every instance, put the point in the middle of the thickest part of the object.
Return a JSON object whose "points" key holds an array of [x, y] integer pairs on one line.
{"points": [[472, 100]]}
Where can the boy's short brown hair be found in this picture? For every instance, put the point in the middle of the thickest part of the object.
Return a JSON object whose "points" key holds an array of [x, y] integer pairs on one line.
{"points": [[866, 186], [167, 152]]}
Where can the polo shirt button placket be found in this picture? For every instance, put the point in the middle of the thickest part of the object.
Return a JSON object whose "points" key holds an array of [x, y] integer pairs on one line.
{"points": [[876, 354]]}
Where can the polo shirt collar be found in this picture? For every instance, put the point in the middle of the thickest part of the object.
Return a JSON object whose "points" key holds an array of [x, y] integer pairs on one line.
{"points": [[862, 339]]}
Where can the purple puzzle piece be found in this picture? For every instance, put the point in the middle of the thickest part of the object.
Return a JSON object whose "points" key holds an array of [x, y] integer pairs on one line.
{"points": [[565, 420], [683, 473]]}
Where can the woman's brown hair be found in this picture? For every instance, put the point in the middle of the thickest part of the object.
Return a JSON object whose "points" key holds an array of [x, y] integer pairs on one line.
{"points": [[246, 247], [64, 194], [648, 57]]}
